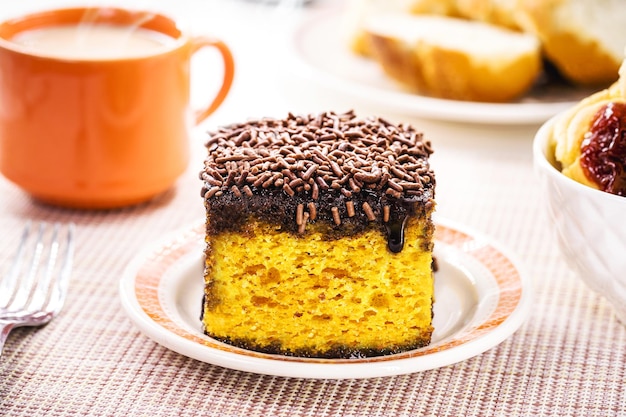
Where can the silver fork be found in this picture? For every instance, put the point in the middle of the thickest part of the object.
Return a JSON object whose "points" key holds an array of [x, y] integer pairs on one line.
{"points": [[33, 291]]}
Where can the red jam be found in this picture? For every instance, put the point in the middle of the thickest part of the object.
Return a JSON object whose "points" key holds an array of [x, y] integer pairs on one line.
{"points": [[603, 151]]}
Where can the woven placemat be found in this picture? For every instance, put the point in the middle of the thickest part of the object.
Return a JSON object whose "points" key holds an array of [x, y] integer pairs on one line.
{"points": [[568, 359]]}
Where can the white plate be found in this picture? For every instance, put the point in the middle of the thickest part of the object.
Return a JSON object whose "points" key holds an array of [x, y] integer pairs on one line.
{"points": [[321, 54], [482, 298]]}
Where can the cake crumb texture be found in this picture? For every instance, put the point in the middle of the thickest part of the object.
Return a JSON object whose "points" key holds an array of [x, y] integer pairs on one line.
{"points": [[295, 296]]}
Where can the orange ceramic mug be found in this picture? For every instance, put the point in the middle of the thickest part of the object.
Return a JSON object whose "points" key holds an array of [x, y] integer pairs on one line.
{"points": [[88, 125]]}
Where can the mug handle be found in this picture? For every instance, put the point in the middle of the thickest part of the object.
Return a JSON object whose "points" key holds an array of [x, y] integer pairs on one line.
{"points": [[229, 72]]}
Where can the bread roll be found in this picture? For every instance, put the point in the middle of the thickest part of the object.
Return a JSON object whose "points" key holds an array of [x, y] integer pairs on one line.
{"points": [[357, 11], [452, 58], [584, 39], [436, 7], [503, 13]]}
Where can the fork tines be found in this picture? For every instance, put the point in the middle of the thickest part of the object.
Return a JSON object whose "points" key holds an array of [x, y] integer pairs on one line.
{"points": [[38, 278]]}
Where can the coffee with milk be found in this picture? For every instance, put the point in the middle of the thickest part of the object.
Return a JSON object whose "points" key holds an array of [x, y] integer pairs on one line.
{"points": [[93, 41]]}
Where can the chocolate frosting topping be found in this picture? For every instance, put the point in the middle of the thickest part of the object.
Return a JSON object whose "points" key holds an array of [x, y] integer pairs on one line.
{"points": [[339, 168]]}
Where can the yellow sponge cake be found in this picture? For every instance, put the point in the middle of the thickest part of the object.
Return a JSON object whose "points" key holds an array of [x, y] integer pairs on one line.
{"points": [[319, 236]]}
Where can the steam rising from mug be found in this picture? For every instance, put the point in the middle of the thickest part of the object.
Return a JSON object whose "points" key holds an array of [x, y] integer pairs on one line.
{"points": [[90, 20], [92, 39]]}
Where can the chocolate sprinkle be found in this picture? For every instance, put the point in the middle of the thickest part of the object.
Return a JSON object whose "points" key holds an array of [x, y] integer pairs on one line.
{"points": [[312, 210], [350, 208], [338, 167], [369, 212]]}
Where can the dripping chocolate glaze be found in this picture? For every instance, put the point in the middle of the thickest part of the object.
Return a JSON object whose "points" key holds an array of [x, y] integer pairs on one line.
{"points": [[332, 173], [395, 234]]}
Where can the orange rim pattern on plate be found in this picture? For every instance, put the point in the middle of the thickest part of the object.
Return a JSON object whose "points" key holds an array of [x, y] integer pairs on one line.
{"points": [[505, 273]]}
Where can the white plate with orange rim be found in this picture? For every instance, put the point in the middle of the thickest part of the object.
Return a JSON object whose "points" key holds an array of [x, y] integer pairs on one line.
{"points": [[482, 299], [321, 54]]}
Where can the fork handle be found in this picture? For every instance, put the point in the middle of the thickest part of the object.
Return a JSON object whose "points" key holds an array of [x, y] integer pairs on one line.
{"points": [[5, 329]]}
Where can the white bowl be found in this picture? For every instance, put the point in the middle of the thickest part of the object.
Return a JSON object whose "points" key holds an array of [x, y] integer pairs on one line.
{"points": [[589, 224]]}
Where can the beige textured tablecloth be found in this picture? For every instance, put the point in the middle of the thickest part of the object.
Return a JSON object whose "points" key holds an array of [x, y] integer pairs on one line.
{"points": [[567, 359]]}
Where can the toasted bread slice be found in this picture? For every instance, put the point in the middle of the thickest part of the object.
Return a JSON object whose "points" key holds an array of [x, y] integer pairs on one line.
{"points": [[452, 58]]}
